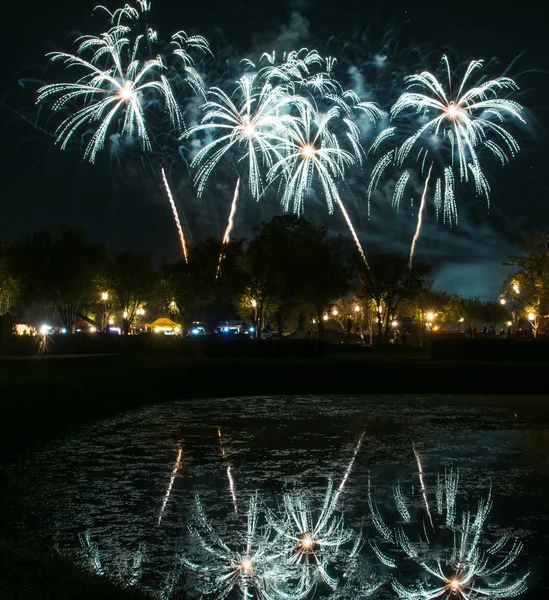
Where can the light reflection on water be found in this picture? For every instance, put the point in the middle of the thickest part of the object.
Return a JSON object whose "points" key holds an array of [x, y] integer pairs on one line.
{"points": [[120, 496]]}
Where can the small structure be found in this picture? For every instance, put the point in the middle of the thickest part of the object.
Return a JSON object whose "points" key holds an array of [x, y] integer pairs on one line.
{"points": [[164, 326]]}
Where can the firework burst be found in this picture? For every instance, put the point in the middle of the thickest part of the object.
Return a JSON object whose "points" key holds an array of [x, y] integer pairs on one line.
{"points": [[248, 565], [456, 558], [116, 86], [452, 124]]}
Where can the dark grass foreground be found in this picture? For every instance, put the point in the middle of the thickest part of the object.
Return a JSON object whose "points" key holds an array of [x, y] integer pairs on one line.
{"points": [[41, 397], [27, 574]]}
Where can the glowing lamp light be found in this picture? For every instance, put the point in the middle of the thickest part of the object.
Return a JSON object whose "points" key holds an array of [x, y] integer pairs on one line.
{"points": [[455, 585], [430, 316], [254, 303], [45, 329], [435, 328], [104, 296], [325, 317], [172, 303], [509, 323], [461, 320], [502, 301], [380, 309], [531, 316], [111, 321], [357, 308], [335, 312], [125, 314], [93, 329], [394, 324], [516, 289]]}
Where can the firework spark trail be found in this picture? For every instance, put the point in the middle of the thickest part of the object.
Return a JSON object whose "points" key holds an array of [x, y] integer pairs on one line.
{"points": [[230, 224], [350, 466], [422, 483], [176, 468], [419, 217], [351, 229], [175, 216], [232, 486]]}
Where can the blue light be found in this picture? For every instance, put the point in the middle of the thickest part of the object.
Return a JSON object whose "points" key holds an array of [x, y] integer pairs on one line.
{"points": [[195, 331], [252, 329]]}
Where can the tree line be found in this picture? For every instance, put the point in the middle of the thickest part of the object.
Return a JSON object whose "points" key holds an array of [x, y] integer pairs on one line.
{"points": [[292, 275]]}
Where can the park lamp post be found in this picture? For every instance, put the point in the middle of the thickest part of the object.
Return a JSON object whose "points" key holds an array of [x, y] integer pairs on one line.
{"points": [[104, 299], [254, 316]]}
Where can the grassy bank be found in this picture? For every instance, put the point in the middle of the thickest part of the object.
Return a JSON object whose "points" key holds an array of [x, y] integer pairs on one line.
{"points": [[31, 574], [42, 398]]}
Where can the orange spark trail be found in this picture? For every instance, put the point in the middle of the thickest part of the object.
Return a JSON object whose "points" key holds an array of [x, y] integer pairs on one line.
{"points": [[175, 216], [230, 225], [419, 217], [352, 229]]}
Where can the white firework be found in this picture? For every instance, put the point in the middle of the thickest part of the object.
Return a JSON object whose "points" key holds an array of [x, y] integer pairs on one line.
{"points": [[310, 152], [248, 565], [250, 124], [455, 556], [116, 87], [452, 125]]}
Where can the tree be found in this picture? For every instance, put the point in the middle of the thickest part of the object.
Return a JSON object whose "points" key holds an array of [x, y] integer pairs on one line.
{"points": [[10, 286], [528, 286], [132, 280], [297, 268], [199, 290], [58, 269], [429, 305], [388, 280]]}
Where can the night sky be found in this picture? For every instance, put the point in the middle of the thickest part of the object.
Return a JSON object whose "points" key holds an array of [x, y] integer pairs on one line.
{"points": [[122, 202]]}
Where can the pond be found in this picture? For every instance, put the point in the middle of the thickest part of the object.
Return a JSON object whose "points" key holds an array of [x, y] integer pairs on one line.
{"points": [[288, 497]]}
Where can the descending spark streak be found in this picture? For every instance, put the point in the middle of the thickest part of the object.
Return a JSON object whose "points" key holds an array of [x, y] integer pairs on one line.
{"points": [[350, 466], [351, 229], [175, 216], [229, 474], [420, 217], [232, 488], [423, 489], [230, 225], [176, 468]]}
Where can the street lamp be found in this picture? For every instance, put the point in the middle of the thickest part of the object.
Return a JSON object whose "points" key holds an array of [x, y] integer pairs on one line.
{"points": [[531, 316], [105, 299], [335, 312], [502, 301], [516, 289]]}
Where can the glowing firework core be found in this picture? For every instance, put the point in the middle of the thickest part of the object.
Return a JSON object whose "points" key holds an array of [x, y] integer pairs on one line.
{"points": [[306, 543], [248, 129], [453, 112], [455, 587], [246, 565], [125, 93], [308, 151]]}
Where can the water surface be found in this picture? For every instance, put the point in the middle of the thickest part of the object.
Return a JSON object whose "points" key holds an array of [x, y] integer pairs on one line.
{"points": [[119, 496]]}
